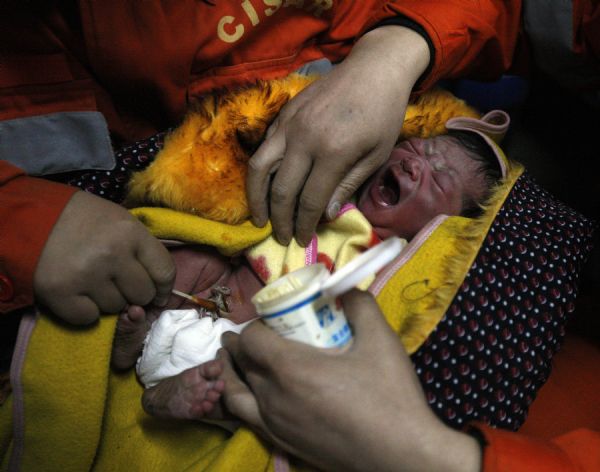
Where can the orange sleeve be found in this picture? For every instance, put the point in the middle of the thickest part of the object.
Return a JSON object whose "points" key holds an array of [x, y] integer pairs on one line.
{"points": [[578, 450], [43, 69], [471, 39], [29, 208], [38, 74]]}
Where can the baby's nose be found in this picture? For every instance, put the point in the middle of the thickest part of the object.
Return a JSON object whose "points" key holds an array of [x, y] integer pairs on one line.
{"points": [[413, 166]]}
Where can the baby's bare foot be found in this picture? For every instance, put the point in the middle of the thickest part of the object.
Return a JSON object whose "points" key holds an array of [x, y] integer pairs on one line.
{"points": [[192, 394], [132, 327]]}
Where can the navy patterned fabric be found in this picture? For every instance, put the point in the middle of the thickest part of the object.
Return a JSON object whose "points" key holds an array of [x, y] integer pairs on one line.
{"points": [[112, 184], [492, 351]]}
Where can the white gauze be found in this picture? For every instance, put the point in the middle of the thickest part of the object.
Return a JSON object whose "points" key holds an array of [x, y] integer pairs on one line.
{"points": [[178, 340]]}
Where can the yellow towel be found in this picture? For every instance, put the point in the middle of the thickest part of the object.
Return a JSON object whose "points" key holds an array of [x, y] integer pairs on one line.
{"points": [[335, 244], [82, 416], [415, 296], [229, 239]]}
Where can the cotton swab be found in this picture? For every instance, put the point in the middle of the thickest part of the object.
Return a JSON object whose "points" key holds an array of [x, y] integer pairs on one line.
{"points": [[208, 304]]}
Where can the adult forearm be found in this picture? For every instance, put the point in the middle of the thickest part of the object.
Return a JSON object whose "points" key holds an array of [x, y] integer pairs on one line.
{"points": [[397, 52]]}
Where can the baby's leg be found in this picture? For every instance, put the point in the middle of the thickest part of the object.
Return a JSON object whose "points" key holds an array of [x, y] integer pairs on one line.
{"points": [[192, 394], [132, 327]]}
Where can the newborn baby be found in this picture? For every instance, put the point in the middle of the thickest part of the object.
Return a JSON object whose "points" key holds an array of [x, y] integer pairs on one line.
{"points": [[450, 174]]}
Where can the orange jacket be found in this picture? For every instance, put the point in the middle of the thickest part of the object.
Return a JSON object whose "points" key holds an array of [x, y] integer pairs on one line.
{"points": [[139, 63], [574, 451], [562, 430]]}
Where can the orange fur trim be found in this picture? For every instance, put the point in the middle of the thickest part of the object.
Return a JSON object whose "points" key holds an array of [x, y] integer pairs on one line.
{"points": [[203, 165], [427, 116]]}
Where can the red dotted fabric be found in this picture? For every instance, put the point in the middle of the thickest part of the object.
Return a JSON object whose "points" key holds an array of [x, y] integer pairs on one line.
{"points": [[112, 184], [492, 351]]}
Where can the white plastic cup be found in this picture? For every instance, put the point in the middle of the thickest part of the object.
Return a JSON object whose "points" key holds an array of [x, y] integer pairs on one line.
{"points": [[295, 307], [303, 305]]}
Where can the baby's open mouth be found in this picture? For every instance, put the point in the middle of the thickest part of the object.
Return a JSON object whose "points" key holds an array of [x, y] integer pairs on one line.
{"points": [[389, 190]]}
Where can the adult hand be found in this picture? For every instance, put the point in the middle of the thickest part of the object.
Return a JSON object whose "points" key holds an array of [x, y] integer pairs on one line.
{"points": [[329, 138], [361, 409], [97, 259]]}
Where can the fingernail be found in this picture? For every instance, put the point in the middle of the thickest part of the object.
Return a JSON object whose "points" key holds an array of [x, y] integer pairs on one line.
{"points": [[301, 242], [333, 210], [284, 241], [258, 222]]}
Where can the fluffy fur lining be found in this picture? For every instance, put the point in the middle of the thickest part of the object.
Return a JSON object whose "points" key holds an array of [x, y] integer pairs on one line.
{"points": [[203, 165]]}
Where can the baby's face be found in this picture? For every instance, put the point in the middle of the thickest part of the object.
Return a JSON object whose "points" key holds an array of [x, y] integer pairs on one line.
{"points": [[422, 179]]}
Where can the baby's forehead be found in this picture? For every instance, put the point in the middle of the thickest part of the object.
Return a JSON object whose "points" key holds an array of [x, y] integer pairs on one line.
{"points": [[446, 140], [449, 147], [458, 157]]}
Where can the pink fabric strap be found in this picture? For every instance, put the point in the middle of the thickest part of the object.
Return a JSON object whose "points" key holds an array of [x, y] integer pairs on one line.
{"points": [[491, 127]]}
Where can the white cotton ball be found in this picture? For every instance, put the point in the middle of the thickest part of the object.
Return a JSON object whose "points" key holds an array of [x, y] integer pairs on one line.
{"points": [[179, 340]]}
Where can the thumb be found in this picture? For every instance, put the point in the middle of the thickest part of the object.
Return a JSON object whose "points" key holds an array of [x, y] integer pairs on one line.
{"points": [[367, 321], [237, 396], [373, 336], [352, 181]]}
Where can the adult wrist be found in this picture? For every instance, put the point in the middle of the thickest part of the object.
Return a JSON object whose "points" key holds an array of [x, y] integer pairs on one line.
{"points": [[443, 448], [462, 452], [417, 28], [400, 48], [428, 444]]}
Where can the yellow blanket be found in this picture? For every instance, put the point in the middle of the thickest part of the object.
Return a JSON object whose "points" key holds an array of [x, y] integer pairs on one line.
{"points": [[79, 415]]}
